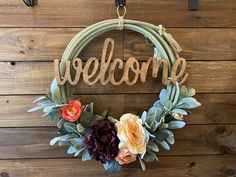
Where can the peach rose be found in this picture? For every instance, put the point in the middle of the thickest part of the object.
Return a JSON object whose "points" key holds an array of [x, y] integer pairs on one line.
{"points": [[72, 111], [132, 134], [125, 157]]}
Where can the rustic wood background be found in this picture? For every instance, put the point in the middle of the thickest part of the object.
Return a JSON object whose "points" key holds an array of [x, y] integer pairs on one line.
{"points": [[30, 38]]}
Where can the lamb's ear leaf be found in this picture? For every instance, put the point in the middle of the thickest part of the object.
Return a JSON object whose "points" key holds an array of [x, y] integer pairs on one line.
{"points": [[176, 124], [70, 127], [164, 97], [165, 145], [86, 155], [188, 103], [54, 85], [41, 98], [141, 163], [151, 145], [86, 118], [71, 150], [177, 92], [56, 96], [112, 166]]}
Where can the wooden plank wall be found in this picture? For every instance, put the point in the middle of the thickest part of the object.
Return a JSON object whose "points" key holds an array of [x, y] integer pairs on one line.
{"points": [[30, 38]]}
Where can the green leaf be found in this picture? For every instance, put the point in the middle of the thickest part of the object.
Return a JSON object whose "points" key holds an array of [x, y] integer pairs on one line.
{"points": [[70, 127], [141, 163], [161, 135], [86, 119], [188, 103], [177, 92], [40, 99], [80, 128], [149, 156], [153, 146], [56, 96], [61, 122], [164, 97], [176, 124], [79, 151], [112, 166], [48, 109], [164, 145], [112, 119], [71, 150], [180, 111], [191, 92], [86, 155]]}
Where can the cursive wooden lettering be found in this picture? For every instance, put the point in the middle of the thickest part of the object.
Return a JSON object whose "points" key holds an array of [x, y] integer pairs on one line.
{"points": [[91, 69]]}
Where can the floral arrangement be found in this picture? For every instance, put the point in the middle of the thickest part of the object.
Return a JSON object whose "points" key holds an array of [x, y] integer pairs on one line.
{"points": [[115, 142]]}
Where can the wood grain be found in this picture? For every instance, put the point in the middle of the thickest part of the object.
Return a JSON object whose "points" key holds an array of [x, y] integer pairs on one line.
{"points": [[192, 140], [197, 166], [46, 44], [196, 43], [215, 109], [172, 13], [30, 78]]}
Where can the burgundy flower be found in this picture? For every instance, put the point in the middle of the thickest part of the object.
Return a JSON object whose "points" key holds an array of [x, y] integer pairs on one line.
{"points": [[102, 141]]}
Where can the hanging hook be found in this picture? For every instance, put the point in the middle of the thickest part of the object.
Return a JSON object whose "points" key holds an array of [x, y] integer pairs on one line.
{"points": [[30, 3], [120, 3]]}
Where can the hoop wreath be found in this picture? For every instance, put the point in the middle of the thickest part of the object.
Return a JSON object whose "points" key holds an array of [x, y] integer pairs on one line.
{"points": [[118, 141]]}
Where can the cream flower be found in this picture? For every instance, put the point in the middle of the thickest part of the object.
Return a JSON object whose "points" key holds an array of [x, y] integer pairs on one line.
{"points": [[132, 134]]}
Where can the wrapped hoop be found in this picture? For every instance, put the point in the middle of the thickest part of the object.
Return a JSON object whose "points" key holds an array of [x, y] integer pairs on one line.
{"points": [[131, 137]]}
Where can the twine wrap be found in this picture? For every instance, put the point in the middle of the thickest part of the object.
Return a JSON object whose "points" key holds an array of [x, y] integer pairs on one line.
{"points": [[163, 42]]}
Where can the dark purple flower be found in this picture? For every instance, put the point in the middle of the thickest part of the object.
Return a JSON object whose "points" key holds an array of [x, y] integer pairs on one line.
{"points": [[102, 141]]}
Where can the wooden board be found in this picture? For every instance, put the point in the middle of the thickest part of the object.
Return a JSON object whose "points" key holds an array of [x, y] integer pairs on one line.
{"points": [[178, 166], [30, 38], [192, 140], [30, 78], [215, 109], [172, 13], [46, 44], [196, 43]]}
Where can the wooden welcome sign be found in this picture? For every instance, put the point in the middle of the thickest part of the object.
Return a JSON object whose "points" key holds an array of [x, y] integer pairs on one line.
{"points": [[92, 70]]}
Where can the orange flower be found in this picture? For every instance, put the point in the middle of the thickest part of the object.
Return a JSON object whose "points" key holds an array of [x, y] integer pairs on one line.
{"points": [[72, 111], [125, 157], [132, 134]]}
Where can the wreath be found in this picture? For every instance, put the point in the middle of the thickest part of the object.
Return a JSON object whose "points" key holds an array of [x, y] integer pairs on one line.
{"points": [[117, 141]]}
